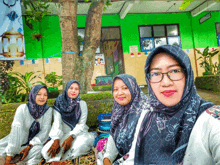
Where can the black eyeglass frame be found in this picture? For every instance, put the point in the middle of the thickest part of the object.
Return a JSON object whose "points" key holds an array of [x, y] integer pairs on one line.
{"points": [[182, 70]]}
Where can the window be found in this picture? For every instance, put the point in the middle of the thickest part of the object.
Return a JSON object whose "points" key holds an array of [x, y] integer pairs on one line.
{"points": [[156, 35], [81, 36], [217, 26], [110, 33]]}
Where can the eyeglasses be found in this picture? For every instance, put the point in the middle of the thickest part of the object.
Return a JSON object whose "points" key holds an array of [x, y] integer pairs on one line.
{"points": [[174, 75]]}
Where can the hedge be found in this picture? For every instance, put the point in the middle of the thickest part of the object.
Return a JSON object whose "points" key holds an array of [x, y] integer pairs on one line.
{"points": [[209, 82], [97, 103], [102, 88]]}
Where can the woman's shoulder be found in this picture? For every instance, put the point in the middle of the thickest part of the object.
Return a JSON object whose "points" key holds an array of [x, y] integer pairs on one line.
{"points": [[50, 109], [214, 112], [82, 102], [22, 107], [210, 116]]}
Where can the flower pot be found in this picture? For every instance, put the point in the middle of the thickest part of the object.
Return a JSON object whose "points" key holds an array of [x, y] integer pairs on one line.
{"points": [[206, 73], [53, 89], [38, 36]]}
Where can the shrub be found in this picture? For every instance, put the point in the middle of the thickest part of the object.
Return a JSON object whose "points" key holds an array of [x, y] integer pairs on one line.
{"points": [[53, 79], [211, 82], [102, 88], [53, 94]]}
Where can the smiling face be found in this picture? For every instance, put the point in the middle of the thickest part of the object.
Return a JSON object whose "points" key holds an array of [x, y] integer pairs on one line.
{"points": [[73, 90], [41, 97], [121, 93], [167, 91]]}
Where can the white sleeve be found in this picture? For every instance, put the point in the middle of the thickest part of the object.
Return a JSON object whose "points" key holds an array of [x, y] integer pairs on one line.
{"points": [[56, 130], [80, 126], [214, 139], [111, 150], [204, 142], [45, 126], [14, 142]]}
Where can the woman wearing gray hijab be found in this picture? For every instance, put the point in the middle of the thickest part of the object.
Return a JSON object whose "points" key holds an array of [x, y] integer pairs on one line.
{"points": [[69, 134], [29, 130]]}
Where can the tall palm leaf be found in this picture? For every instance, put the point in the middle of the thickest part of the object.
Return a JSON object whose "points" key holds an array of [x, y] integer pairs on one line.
{"points": [[25, 81]]}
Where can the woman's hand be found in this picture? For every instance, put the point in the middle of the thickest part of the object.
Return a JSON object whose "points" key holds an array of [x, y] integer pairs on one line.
{"points": [[67, 144], [106, 161], [54, 149], [25, 152], [7, 160]]}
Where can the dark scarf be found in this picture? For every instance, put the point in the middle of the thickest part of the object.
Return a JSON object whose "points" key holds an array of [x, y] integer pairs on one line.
{"points": [[68, 108], [36, 111], [165, 131], [125, 118]]}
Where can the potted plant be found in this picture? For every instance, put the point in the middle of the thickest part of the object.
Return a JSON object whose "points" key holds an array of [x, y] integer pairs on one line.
{"points": [[216, 68], [36, 35], [54, 80], [206, 57]]}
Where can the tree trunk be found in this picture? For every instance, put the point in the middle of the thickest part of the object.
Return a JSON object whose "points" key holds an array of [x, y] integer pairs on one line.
{"points": [[75, 66], [91, 41], [68, 25]]}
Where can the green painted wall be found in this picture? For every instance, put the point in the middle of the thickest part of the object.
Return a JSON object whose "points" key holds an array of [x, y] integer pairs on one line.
{"points": [[205, 33], [130, 31], [50, 44], [32, 46]]}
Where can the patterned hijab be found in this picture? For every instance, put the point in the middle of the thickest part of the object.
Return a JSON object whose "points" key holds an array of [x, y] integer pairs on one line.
{"points": [[36, 111], [165, 131], [69, 108], [124, 118]]}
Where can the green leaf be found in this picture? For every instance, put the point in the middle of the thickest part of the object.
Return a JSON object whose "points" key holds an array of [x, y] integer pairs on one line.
{"points": [[213, 54], [205, 52], [199, 58], [198, 51]]}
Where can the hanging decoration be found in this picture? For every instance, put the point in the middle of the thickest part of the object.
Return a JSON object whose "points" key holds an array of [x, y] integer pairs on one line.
{"points": [[12, 46]]}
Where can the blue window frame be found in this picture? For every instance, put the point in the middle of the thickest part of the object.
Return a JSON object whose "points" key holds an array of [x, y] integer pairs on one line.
{"points": [[217, 26], [147, 44], [218, 37]]}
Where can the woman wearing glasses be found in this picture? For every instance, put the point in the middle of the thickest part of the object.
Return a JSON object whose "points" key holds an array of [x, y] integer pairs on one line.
{"points": [[179, 127]]}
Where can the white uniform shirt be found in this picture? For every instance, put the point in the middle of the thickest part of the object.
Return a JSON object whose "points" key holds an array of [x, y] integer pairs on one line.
{"points": [[203, 146], [20, 130], [59, 128]]}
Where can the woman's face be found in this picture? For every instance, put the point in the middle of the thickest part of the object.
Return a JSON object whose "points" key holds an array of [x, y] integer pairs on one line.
{"points": [[167, 91], [73, 90], [121, 93], [41, 97]]}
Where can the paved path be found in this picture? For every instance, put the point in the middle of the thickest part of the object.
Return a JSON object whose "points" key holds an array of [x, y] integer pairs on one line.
{"points": [[210, 96]]}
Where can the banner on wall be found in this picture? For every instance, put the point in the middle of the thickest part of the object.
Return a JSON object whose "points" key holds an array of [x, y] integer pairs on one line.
{"points": [[11, 31], [99, 59]]}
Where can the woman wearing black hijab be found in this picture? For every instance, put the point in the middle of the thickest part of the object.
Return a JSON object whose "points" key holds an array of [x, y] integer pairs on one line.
{"points": [[30, 128], [178, 127], [69, 133]]}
